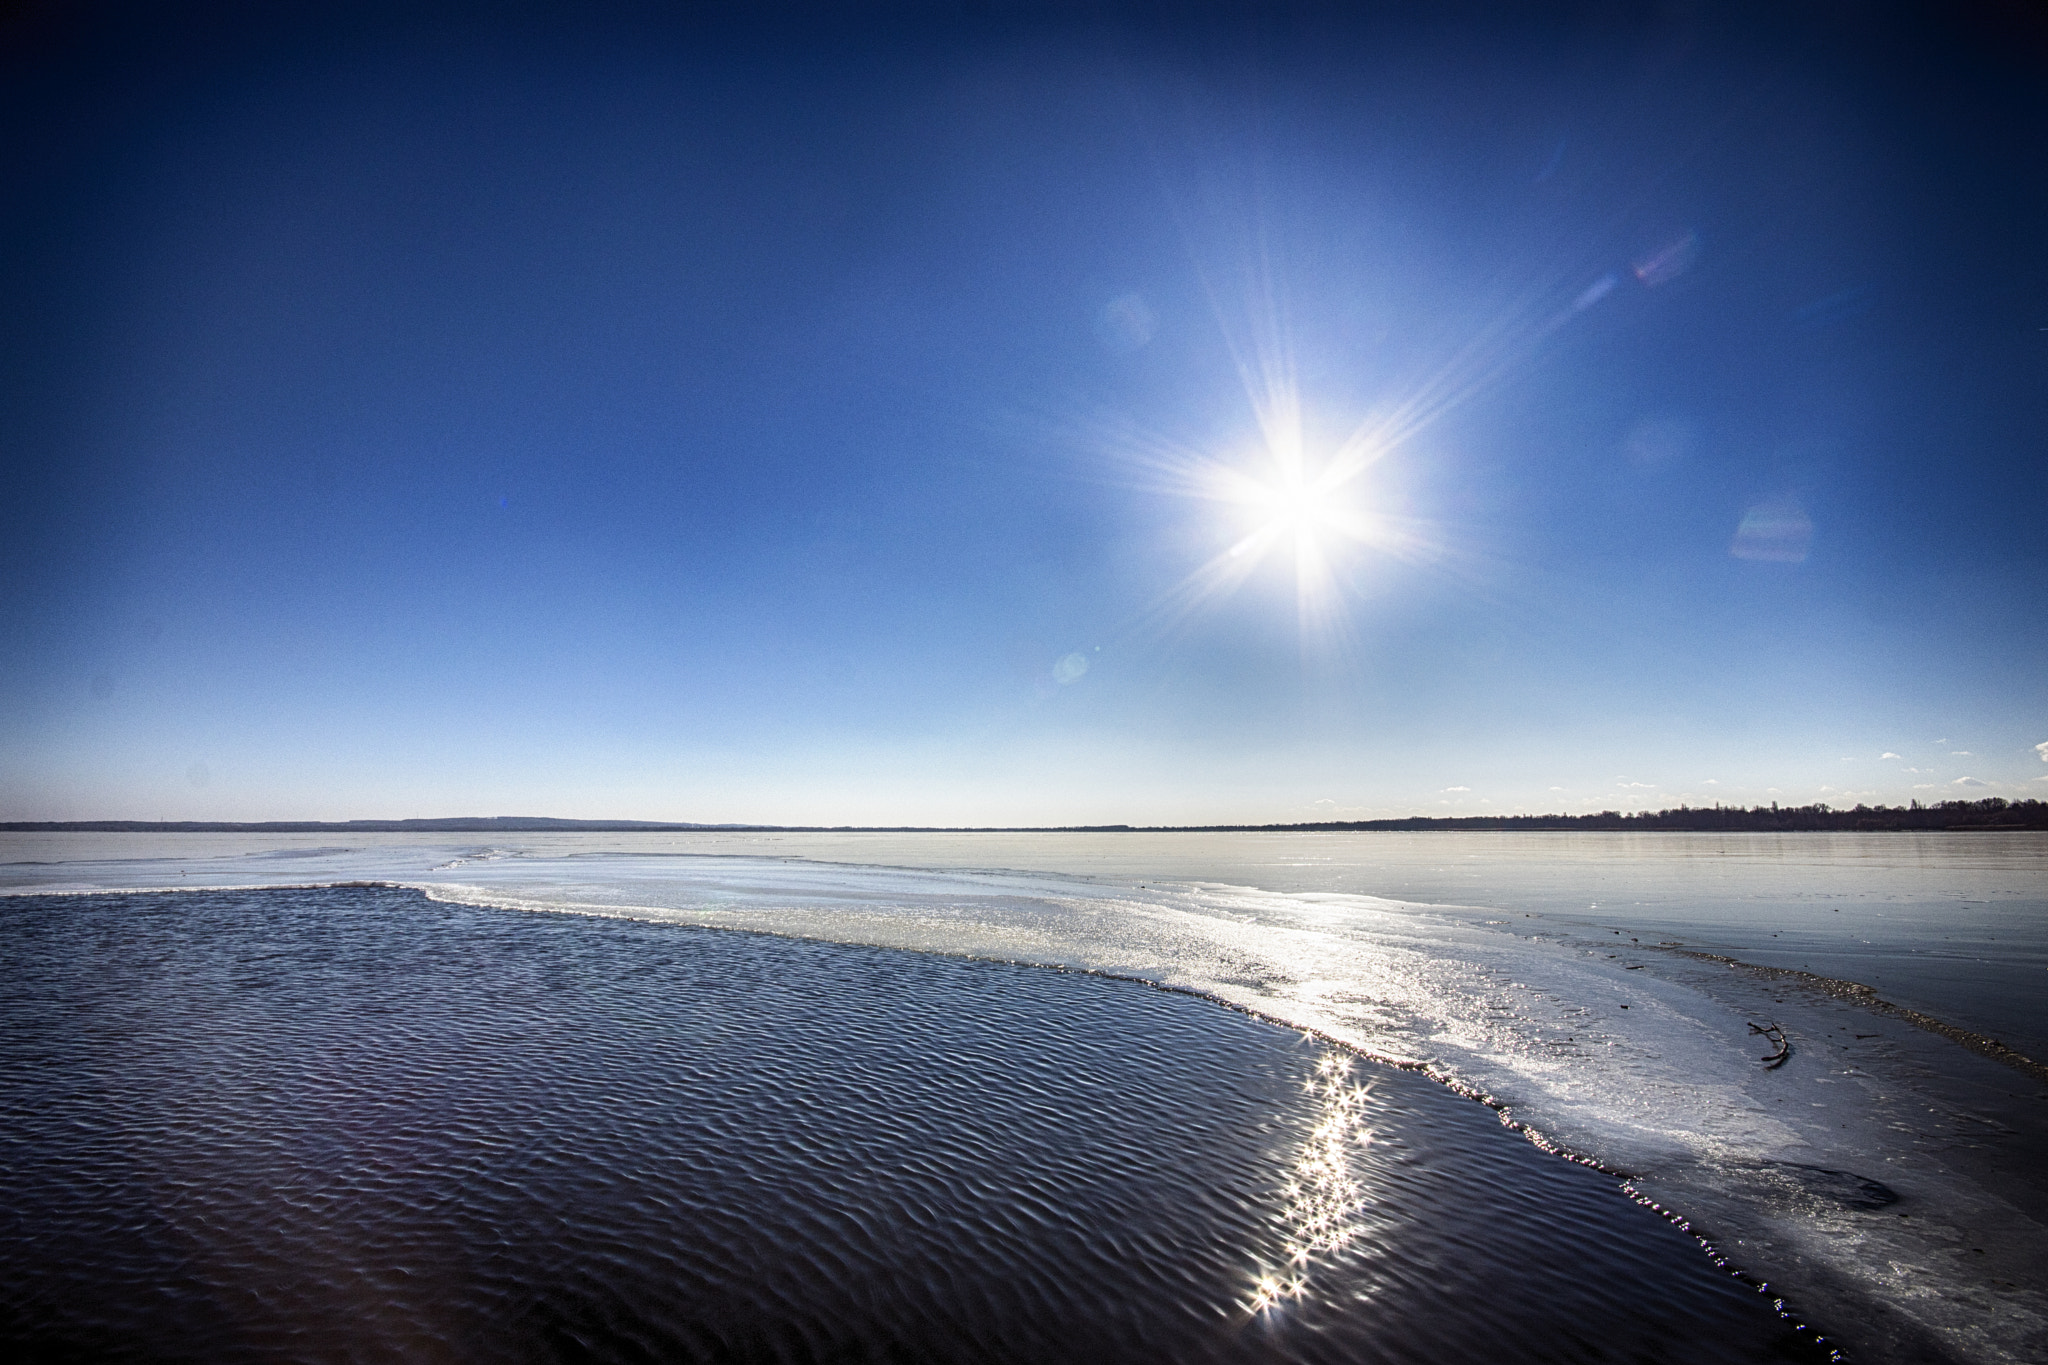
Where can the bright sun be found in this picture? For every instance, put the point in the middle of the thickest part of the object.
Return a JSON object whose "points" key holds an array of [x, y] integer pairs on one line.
{"points": [[1316, 504], [1316, 511], [1292, 488], [1294, 506]]}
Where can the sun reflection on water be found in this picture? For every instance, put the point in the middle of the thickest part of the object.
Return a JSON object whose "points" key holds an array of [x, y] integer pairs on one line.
{"points": [[1324, 1199]]}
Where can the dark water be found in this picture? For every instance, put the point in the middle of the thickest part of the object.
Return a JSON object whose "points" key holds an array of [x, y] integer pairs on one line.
{"points": [[353, 1124]]}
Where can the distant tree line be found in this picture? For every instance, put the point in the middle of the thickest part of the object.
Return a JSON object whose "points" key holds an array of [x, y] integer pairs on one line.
{"points": [[1993, 812]]}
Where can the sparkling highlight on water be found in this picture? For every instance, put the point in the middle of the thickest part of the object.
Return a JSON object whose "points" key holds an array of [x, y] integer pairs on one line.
{"points": [[1324, 1198]]}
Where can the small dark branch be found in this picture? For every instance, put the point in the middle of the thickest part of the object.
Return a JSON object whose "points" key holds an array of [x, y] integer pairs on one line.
{"points": [[1776, 1037]]}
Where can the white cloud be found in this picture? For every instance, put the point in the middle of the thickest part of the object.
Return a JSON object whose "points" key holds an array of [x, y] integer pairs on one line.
{"points": [[1923, 786], [1636, 786], [1457, 789], [1885, 755], [1778, 531], [1968, 782], [1713, 782], [1559, 789], [1125, 323], [2042, 749], [1962, 753]]}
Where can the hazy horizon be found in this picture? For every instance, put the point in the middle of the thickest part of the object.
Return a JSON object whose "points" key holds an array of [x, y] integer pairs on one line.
{"points": [[429, 823], [894, 416]]}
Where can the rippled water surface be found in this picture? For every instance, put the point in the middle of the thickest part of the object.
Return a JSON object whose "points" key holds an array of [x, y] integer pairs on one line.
{"points": [[355, 1123]]}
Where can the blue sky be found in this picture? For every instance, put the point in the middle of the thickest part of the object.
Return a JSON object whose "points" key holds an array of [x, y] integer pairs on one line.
{"points": [[816, 419]]}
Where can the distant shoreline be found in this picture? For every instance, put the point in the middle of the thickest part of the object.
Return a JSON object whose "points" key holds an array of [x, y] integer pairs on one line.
{"points": [[1993, 813]]}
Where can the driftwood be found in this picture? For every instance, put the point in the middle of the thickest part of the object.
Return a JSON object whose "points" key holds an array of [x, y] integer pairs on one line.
{"points": [[1858, 994], [1776, 1037]]}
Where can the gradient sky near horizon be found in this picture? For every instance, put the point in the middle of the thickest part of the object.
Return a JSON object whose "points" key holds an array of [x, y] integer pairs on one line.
{"points": [[996, 415]]}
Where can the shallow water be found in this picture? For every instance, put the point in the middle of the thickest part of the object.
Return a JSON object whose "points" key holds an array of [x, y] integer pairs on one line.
{"points": [[1548, 972], [356, 1124]]}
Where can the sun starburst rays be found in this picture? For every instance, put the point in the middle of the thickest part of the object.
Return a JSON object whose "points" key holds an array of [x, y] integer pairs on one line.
{"points": [[1282, 503], [1305, 496], [1315, 508]]}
